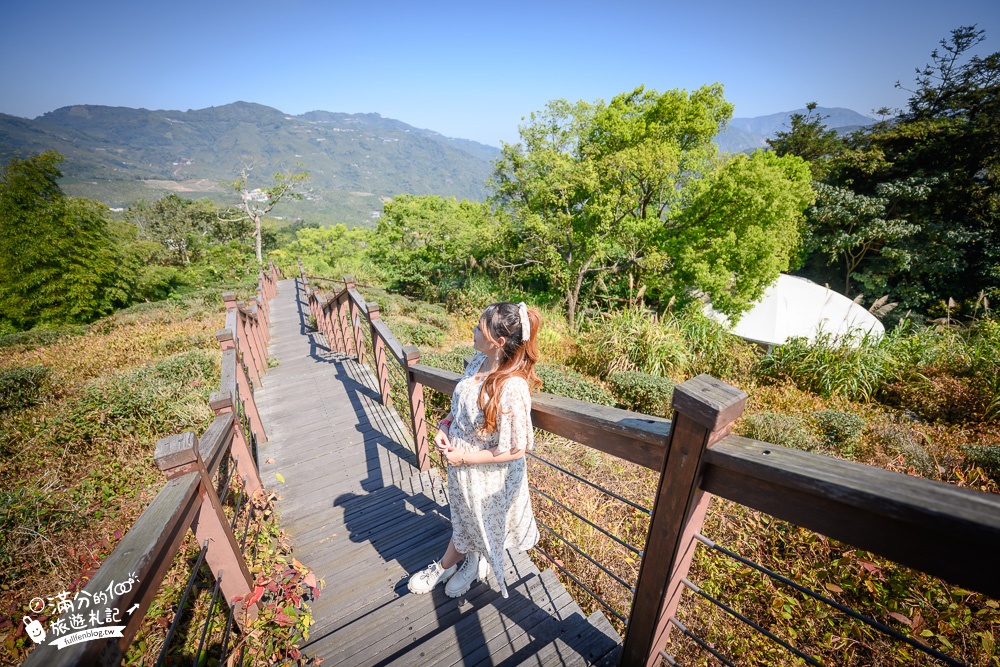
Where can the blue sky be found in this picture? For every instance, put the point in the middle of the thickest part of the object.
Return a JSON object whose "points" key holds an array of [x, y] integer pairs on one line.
{"points": [[468, 69]]}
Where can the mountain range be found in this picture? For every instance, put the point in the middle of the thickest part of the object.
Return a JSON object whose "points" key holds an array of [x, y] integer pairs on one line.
{"points": [[748, 134], [117, 155]]}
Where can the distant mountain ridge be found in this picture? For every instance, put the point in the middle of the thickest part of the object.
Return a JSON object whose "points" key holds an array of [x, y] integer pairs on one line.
{"points": [[747, 134], [117, 155]]}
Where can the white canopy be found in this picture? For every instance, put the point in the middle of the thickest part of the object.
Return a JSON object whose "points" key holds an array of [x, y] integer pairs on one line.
{"points": [[794, 306]]}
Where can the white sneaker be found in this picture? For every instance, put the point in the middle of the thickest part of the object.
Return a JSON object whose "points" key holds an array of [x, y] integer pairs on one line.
{"points": [[429, 577], [473, 569]]}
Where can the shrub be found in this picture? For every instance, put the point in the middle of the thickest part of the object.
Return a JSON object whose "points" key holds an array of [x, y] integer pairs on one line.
{"points": [[839, 430], [947, 373], [453, 360], [779, 429], [22, 387], [986, 457], [415, 333], [905, 444], [27, 340], [563, 381], [712, 348], [632, 340], [157, 399], [651, 394]]}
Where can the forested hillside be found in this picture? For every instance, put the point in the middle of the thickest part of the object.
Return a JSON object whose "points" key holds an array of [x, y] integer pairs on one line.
{"points": [[117, 155]]}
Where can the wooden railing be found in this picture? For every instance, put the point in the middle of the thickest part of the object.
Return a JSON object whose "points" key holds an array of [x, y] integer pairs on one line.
{"points": [[188, 500], [941, 529], [344, 317]]}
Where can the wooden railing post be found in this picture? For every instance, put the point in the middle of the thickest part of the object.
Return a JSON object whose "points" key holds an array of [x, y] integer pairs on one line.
{"points": [[311, 300], [704, 412], [222, 402], [355, 313], [249, 403], [242, 336], [379, 353], [330, 316], [417, 409], [254, 343], [264, 309], [329, 330], [343, 318], [177, 455]]}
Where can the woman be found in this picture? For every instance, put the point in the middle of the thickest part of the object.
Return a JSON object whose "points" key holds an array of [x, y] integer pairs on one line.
{"points": [[484, 438]]}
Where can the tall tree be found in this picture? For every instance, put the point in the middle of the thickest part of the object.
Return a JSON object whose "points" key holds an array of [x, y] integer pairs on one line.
{"points": [[911, 207], [589, 185], [421, 240], [256, 203], [63, 262], [175, 223], [854, 231], [739, 227]]}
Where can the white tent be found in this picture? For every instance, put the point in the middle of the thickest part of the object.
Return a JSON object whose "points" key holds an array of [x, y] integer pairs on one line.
{"points": [[794, 306]]}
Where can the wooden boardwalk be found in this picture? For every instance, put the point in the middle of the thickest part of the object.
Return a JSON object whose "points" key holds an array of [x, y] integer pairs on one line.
{"points": [[362, 516]]}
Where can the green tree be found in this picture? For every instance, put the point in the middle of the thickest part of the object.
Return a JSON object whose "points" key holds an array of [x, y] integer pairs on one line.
{"points": [[738, 229], [179, 225], [421, 240], [333, 250], [808, 137], [853, 229], [256, 203], [64, 261], [911, 206], [588, 185]]}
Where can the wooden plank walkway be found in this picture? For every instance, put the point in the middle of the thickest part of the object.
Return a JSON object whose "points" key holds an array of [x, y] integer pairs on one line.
{"points": [[362, 516]]}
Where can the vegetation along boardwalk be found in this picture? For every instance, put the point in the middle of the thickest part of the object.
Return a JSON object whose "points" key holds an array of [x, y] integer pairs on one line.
{"points": [[364, 517]]}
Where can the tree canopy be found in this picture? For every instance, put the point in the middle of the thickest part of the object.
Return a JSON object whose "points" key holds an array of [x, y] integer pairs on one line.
{"points": [[599, 193], [909, 207], [421, 240], [64, 261], [589, 185]]}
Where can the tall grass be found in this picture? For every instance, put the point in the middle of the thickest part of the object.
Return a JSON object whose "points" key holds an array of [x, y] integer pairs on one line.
{"points": [[949, 373]]}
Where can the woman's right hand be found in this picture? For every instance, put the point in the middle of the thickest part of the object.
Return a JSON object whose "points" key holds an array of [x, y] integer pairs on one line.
{"points": [[442, 442]]}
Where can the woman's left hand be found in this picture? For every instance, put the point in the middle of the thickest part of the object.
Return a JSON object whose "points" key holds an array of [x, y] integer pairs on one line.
{"points": [[455, 457]]}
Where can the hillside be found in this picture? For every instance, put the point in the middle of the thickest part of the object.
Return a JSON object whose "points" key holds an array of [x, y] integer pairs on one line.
{"points": [[117, 155]]}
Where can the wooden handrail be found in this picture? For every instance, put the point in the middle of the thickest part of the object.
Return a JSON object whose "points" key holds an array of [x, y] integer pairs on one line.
{"points": [[628, 435], [133, 573], [938, 528]]}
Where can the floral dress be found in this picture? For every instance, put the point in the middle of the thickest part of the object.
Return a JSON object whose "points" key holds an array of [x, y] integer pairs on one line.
{"points": [[490, 507]]}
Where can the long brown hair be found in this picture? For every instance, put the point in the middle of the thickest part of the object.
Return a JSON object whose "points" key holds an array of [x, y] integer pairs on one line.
{"points": [[516, 358]]}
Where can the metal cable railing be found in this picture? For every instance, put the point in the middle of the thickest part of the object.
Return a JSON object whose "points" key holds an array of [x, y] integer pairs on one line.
{"points": [[600, 488], [240, 501], [587, 521], [183, 602], [582, 585], [699, 641], [746, 621], [577, 549], [871, 622], [618, 579]]}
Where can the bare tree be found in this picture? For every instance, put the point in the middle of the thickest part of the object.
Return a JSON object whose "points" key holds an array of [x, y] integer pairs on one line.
{"points": [[256, 203]]}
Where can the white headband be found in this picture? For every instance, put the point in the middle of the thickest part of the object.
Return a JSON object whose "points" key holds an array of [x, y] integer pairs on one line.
{"points": [[522, 311]]}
